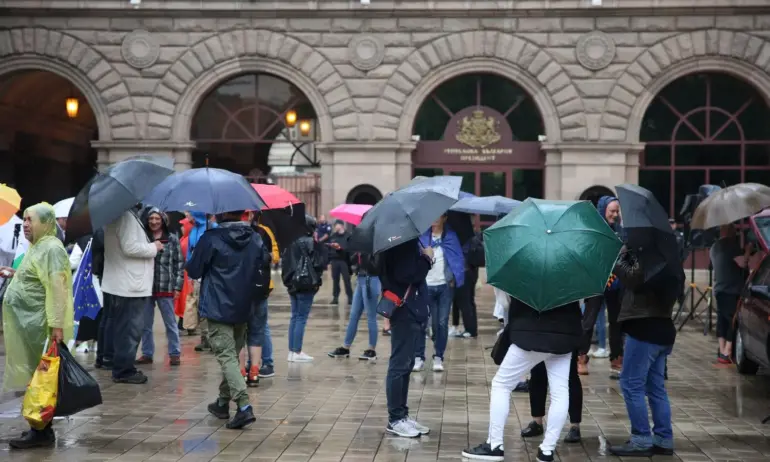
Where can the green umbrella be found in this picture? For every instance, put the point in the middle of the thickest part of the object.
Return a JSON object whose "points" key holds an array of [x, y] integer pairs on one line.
{"points": [[550, 253]]}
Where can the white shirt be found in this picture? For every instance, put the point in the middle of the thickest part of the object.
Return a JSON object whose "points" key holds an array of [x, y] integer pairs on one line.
{"points": [[436, 276], [129, 258], [8, 250]]}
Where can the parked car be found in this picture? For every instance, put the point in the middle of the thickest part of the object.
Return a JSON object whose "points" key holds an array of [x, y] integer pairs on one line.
{"points": [[752, 333]]}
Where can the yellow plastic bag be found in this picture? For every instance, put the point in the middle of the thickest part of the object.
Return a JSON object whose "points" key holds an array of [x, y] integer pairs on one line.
{"points": [[40, 399]]}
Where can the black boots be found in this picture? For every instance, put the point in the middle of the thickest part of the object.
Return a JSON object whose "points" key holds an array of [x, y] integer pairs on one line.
{"points": [[34, 439]]}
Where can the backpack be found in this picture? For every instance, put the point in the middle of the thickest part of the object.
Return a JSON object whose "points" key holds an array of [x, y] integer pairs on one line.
{"points": [[475, 256], [306, 277], [263, 277]]}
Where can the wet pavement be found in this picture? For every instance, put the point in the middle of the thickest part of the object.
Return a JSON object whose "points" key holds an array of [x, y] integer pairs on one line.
{"points": [[334, 410]]}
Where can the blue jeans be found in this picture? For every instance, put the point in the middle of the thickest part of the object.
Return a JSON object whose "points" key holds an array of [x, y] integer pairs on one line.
{"points": [[166, 307], [300, 310], [127, 325], [601, 327], [366, 297], [644, 367], [440, 299], [405, 332], [267, 347], [257, 323]]}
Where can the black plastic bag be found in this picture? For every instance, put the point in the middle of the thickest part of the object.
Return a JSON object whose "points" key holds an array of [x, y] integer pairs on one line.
{"points": [[78, 390]]}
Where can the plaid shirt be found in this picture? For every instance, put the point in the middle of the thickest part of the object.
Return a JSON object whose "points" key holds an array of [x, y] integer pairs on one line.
{"points": [[169, 268]]}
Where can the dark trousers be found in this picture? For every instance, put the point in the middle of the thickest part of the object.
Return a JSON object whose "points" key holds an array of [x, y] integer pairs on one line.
{"points": [[127, 324], [538, 390], [612, 299], [105, 347], [405, 331], [341, 268], [465, 303]]}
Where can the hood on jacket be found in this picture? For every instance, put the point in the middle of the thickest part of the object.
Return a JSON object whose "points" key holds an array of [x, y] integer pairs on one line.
{"points": [[146, 220], [601, 207], [236, 234]]}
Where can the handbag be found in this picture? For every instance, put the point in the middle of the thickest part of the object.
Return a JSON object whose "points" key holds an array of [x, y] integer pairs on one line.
{"points": [[390, 302], [502, 345]]}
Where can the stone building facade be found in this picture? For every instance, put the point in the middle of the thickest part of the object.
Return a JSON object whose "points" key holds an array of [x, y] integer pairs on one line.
{"points": [[591, 71]]}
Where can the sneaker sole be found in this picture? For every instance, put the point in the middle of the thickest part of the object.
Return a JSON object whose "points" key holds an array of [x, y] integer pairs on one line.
{"points": [[242, 426], [402, 435], [478, 457], [435, 369], [221, 416], [266, 376], [338, 356], [366, 358]]}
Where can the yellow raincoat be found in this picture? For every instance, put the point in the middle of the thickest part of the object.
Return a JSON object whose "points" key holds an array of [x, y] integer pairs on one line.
{"points": [[38, 298]]}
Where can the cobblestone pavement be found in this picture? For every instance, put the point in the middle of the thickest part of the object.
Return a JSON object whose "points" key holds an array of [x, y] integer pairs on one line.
{"points": [[334, 410]]}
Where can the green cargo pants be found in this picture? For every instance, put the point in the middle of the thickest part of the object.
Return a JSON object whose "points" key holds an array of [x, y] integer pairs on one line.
{"points": [[226, 341]]}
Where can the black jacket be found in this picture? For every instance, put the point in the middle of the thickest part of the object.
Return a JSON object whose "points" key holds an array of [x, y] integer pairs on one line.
{"points": [[366, 264], [645, 299], [341, 253], [557, 331], [404, 266], [291, 258], [228, 260]]}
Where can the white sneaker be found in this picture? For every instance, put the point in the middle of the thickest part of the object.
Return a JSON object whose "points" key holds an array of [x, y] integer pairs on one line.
{"points": [[82, 348], [302, 357], [465, 335], [418, 426], [419, 365], [599, 353], [291, 357], [438, 365], [402, 428], [453, 331]]}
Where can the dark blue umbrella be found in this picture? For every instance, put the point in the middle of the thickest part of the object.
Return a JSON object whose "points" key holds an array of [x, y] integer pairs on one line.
{"points": [[108, 195], [207, 190], [487, 205]]}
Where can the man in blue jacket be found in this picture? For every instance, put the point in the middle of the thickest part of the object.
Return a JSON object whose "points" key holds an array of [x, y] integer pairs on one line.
{"points": [[228, 259], [446, 275]]}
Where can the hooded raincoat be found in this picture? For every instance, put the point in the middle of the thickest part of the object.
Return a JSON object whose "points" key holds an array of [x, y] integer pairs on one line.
{"points": [[200, 226], [38, 299]]}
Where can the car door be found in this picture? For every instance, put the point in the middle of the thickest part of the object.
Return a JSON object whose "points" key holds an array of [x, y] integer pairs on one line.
{"points": [[756, 310]]}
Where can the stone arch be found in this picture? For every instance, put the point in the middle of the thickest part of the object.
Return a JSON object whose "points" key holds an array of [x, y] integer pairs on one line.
{"points": [[361, 191], [228, 54], [510, 56], [595, 192], [47, 50], [742, 55]]}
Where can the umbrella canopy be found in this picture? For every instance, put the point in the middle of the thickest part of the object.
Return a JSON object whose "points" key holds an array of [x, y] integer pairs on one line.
{"points": [[63, 207], [486, 205], [550, 253], [350, 213], [274, 196], [207, 190], [10, 201], [459, 222], [108, 195], [640, 209], [288, 223], [731, 204], [405, 214]]}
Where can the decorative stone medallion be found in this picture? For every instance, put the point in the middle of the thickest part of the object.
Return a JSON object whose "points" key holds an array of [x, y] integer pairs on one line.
{"points": [[140, 49], [366, 52], [595, 50]]}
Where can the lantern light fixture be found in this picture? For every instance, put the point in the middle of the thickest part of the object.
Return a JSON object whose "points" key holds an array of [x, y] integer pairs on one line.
{"points": [[291, 117], [304, 127], [72, 105]]}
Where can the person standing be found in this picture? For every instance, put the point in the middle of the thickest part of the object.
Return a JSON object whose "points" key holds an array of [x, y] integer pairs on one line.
{"points": [[301, 274], [129, 268], [227, 294], [446, 275], [339, 259], [38, 305], [366, 296], [403, 270], [180, 303], [166, 288], [465, 296], [192, 320], [728, 261]]}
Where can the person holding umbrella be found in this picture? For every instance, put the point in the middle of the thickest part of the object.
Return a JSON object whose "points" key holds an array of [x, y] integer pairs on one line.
{"points": [[339, 259]]}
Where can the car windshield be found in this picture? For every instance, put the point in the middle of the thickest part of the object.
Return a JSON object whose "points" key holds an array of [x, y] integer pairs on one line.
{"points": [[763, 226]]}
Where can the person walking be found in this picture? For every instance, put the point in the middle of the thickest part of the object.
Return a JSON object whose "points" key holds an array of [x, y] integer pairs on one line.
{"points": [[129, 268], [729, 263], [548, 337], [403, 270], [227, 294], [301, 272], [339, 259], [166, 288], [365, 297], [192, 320], [38, 305], [445, 276]]}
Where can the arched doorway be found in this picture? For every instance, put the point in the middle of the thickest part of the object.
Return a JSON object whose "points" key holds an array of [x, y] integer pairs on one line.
{"points": [[484, 128], [46, 129], [364, 194], [594, 193], [705, 128], [262, 127]]}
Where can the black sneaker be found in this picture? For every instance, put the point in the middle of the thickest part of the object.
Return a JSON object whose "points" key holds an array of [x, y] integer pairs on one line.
{"points": [[340, 352], [266, 372], [629, 450], [543, 457], [386, 332], [219, 411], [573, 436], [369, 355], [335, 301], [241, 419], [532, 430], [203, 346], [485, 452], [661, 451], [34, 439], [137, 378]]}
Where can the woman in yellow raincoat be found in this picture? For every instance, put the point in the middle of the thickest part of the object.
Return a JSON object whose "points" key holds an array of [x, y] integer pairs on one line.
{"points": [[37, 306]]}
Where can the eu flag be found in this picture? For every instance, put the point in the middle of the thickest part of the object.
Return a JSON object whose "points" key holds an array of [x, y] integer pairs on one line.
{"points": [[86, 297]]}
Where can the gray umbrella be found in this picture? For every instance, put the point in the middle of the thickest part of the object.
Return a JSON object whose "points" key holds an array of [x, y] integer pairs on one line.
{"points": [[732, 204], [485, 205], [405, 214]]}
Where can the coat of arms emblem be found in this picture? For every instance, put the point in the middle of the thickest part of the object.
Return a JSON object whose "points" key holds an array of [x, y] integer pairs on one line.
{"points": [[478, 131]]}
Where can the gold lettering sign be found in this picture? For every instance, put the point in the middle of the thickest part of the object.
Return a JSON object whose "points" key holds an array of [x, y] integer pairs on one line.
{"points": [[478, 131]]}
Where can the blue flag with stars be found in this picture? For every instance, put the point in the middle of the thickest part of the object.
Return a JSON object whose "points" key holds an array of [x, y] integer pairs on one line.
{"points": [[86, 298]]}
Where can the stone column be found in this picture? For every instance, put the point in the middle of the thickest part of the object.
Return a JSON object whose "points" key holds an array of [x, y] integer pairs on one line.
{"points": [[384, 165], [110, 152], [571, 168]]}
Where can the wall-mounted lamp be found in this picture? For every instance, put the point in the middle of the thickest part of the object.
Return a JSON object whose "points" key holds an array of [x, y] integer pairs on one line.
{"points": [[72, 105], [304, 127], [291, 118]]}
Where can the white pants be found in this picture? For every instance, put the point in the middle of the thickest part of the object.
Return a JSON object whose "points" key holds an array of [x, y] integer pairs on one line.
{"points": [[515, 366], [502, 302]]}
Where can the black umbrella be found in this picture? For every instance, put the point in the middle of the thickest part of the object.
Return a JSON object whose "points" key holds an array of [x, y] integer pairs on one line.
{"points": [[640, 209], [288, 224], [108, 195], [405, 214]]}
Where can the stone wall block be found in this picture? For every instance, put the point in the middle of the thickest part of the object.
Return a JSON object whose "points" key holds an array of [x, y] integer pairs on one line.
{"points": [[128, 24], [385, 120], [671, 46], [346, 120], [163, 107], [382, 133], [109, 80], [559, 83], [325, 69], [694, 22], [528, 55], [456, 47], [549, 72], [312, 64], [503, 24], [41, 40], [113, 54], [203, 54], [313, 39], [559, 39], [346, 133], [115, 93], [336, 55], [531, 24], [89, 23], [564, 95], [423, 38], [310, 25], [270, 24], [442, 50], [401, 83], [395, 55], [141, 86], [250, 42], [387, 107], [98, 71], [753, 48], [612, 134], [651, 38], [300, 55], [181, 73], [479, 43], [51, 46], [420, 24], [616, 107], [503, 45], [460, 24], [28, 40], [660, 56], [573, 106], [17, 42], [639, 73], [653, 23], [65, 45], [566, 56], [262, 42], [167, 94], [613, 71], [712, 42], [410, 73], [216, 49], [394, 95], [160, 120], [698, 42], [173, 81], [55, 23], [124, 119], [191, 61], [120, 106], [740, 43], [763, 59], [742, 23], [398, 39], [578, 24], [381, 71], [613, 24], [343, 106], [78, 51], [539, 39], [539, 63], [169, 55], [156, 133], [630, 84], [365, 104], [333, 81], [287, 48], [87, 36], [224, 24], [685, 46], [726, 42], [431, 56], [171, 39], [623, 96], [490, 42], [126, 70], [238, 40], [417, 62], [594, 88], [336, 40], [472, 45], [89, 60], [575, 120], [383, 24]]}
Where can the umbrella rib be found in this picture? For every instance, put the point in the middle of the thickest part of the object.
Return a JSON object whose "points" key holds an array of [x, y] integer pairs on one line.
{"points": [[574, 256]]}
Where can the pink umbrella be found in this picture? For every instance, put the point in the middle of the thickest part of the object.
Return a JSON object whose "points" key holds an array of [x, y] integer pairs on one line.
{"points": [[350, 213]]}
